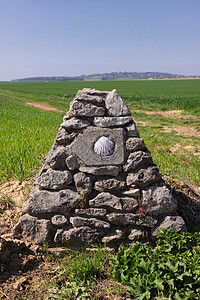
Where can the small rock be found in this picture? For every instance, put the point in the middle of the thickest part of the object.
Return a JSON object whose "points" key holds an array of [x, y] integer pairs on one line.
{"points": [[112, 236], [64, 137], [109, 185], [71, 163], [111, 121], [100, 171], [44, 202], [115, 105], [175, 223], [54, 180], [136, 159], [59, 220], [91, 212], [83, 184], [91, 95], [84, 109], [132, 193], [74, 123], [136, 235], [144, 176], [33, 229], [92, 222], [123, 219], [135, 144], [132, 130], [106, 200], [158, 200], [129, 204], [76, 236], [55, 159]]}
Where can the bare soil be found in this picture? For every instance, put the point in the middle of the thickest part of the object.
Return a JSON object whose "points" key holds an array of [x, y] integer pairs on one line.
{"points": [[170, 113], [43, 105]]}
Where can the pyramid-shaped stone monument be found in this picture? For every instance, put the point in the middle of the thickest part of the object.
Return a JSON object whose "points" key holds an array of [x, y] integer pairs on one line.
{"points": [[98, 182]]}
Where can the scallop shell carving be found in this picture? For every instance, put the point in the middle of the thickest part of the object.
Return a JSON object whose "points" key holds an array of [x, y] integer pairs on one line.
{"points": [[104, 146]]}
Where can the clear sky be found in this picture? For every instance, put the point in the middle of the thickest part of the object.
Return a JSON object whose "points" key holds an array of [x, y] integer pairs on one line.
{"points": [[74, 37]]}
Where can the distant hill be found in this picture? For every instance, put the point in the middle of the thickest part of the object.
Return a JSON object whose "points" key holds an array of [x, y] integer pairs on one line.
{"points": [[107, 76]]}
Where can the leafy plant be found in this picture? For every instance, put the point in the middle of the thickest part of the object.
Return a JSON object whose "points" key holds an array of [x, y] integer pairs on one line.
{"points": [[167, 271]]}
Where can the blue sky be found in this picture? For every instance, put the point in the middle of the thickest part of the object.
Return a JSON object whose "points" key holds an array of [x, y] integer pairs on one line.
{"points": [[67, 38]]}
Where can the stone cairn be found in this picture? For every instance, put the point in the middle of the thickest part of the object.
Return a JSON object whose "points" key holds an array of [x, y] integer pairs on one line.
{"points": [[98, 182]]}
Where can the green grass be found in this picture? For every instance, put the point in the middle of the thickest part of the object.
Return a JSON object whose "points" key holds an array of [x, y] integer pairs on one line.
{"points": [[139, 94], [26, 135]]}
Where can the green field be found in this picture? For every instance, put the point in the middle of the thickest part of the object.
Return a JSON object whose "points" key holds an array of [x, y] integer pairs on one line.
{"points": [[24, 129]]}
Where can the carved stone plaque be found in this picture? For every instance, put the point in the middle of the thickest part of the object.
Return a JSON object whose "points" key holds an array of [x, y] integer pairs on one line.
{"points": [[83, 146]]}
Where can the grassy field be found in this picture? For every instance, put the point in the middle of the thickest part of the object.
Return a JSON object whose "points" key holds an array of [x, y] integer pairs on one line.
{"points": [[171, 270], [23, 129]]}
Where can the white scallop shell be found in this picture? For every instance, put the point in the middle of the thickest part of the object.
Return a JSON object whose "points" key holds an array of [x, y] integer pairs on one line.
{"points": [[104, 146]]}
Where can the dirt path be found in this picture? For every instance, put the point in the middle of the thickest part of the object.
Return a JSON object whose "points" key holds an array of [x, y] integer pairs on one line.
{"points": [[43, 105], [170, 113]]}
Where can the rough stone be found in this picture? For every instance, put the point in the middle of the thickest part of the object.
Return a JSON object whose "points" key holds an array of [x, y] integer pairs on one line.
{"points": [[75, 123], [75, 236], [92, 222], [136, 159], [54, 180], [100, 171], [34, 229], [115, 105], [59, 220], [132, 193], [111, 184], [106, 200], [135, 144], [136, 235], [55, 159], [123, 219], [65, 137], [111, 121], [129, 204], [71, 163], [158, 200], [85, 108], [132, 130], [144, 176], [83, 184], [112, 236], [83, 146], [91, 212], [175, 223], [91, 95], [44, 202]]}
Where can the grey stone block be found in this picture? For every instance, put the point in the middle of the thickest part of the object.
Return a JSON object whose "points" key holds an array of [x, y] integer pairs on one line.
{"points": [[85, 109], [83, 146], [54, 180], [45, 202], [158, 200], [92, 222], [106, 185], [144, 176], [115, 105], [136, 159], [175, 223], [91, 212], [135, 144], [100, 171], [83, 184], [33, 229], [111, 121], [75, 123]]}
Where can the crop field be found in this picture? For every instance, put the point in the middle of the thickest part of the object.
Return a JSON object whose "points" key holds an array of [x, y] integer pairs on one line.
{"points": [[167, 115], [173, 139]]}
